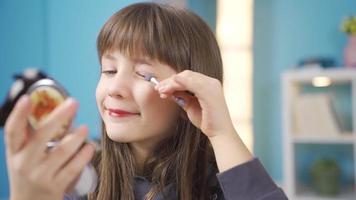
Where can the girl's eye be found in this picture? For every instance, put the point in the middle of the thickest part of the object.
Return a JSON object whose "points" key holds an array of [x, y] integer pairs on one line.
{"points": [[144, 75], [109, 72]]}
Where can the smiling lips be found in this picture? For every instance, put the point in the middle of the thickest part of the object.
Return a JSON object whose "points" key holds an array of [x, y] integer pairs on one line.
{"points": [[120, 113]]}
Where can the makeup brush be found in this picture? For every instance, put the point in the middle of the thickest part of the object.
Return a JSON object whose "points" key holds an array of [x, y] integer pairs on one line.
{"points": [[150, 78]]}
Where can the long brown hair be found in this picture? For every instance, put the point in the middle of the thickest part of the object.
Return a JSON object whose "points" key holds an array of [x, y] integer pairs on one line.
{"points": [[182, 40]]}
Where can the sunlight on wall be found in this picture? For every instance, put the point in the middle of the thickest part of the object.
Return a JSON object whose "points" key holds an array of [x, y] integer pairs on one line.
{"points": [[234, 34]]}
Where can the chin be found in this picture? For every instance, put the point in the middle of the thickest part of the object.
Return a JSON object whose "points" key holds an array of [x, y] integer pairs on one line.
{"points": [[119, 136]]}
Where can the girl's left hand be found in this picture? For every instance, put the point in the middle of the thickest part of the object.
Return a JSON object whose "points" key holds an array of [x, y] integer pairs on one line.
{"points": [[207, 109]]}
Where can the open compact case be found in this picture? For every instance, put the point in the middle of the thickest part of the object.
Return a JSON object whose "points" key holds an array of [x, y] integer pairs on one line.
{"points": [[46, 95]]}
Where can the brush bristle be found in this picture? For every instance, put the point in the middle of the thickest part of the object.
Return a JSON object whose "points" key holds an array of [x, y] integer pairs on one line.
{"points": [[148, 77]]}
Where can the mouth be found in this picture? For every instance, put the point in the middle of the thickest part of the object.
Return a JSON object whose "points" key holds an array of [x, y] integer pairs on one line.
{"points": [[119, 113]]}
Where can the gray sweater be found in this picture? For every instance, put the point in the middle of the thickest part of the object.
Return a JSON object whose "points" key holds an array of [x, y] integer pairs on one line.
{"points": [[248, 181]]}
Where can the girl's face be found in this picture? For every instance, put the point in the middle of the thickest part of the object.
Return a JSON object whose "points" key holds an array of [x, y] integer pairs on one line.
{"points": [[131, 109]]}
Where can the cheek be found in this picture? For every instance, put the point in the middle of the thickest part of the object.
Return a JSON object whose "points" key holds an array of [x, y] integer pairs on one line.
{"points": [[99, 93], [156, 111], [145, 97]]}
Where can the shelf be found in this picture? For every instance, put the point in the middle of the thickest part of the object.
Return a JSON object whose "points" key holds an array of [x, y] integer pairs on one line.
{"points": [[345, 138], [338, 75], [350, 197], [302, 148], [305, 193]]}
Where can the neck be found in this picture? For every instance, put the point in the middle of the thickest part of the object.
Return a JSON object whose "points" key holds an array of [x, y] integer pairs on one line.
{"points": [[141, 153]]}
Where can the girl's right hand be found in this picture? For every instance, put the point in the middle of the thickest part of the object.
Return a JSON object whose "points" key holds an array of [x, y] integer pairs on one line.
{"points": [[35, 172]]}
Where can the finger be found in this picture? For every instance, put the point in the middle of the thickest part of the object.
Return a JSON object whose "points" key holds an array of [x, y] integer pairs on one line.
{"points": [[61, 153], [169, 87], [177, 92], [73, 168], [193, 83], [198, 83], [16, 126], [53, 125], [172, 92]]}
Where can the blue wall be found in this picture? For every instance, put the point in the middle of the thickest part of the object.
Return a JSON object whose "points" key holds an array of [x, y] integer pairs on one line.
{"points": [[22, 38], [206, 9], [22, 43], [286, 31]]}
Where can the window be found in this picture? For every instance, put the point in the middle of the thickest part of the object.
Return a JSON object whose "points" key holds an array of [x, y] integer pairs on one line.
{"points": [[234, 34]]}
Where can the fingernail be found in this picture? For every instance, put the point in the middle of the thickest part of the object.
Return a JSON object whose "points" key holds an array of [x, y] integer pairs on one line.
{"points": [[180, 101], [163, 96], [24, 99], [70, 101], [84, 129]]}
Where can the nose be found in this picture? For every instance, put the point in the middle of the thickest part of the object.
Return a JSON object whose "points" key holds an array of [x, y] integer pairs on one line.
{"points": [[120, 86]]}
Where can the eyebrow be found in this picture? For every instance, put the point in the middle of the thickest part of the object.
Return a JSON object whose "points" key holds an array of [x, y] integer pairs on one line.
{"points": [[109, 56]]}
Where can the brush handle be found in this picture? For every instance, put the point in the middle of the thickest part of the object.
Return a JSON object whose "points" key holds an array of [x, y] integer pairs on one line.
{"points": [[180, 101]]}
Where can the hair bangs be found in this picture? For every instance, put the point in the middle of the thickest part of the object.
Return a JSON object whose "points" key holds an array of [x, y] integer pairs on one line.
{"points": [[146, 32], [132, 33]]}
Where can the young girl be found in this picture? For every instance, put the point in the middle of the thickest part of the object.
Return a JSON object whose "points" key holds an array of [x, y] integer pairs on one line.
{"points": [[166, 129]]}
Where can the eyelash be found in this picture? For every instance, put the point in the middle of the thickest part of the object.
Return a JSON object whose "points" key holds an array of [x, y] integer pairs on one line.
{"points": [[144, 74], [112, 72], [109, 72]]}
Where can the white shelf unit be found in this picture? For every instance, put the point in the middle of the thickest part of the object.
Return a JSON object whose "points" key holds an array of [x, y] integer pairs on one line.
{"points": [[292, 81]]}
